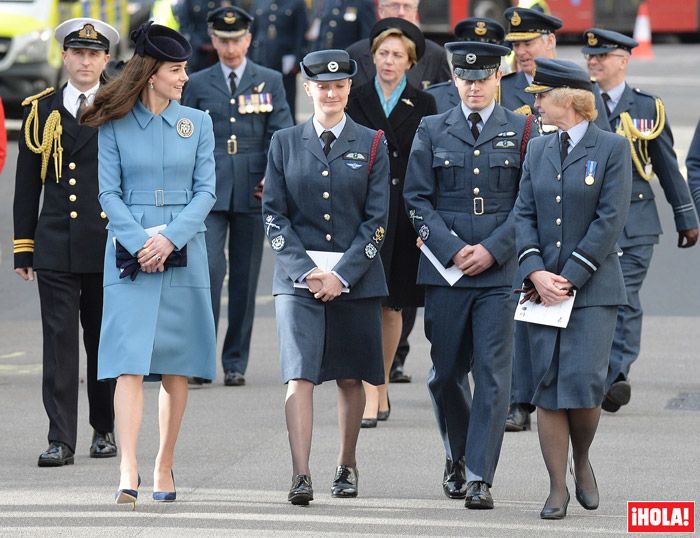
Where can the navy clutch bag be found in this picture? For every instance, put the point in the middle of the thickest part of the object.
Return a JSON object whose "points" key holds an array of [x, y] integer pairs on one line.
{"points": [[128, 265]]}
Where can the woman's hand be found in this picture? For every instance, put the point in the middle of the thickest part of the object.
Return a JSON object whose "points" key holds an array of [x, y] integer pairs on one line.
{"points": [[552, 289], [154, 252], [331, 286], [314, 285]]}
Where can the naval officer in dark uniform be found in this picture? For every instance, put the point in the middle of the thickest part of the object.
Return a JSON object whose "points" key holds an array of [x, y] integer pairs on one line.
{"points": [[640, 117], [247, 105], [340, 23], [473, 29], [64, 241], [431, 69], [461, 185], [278, 40]]}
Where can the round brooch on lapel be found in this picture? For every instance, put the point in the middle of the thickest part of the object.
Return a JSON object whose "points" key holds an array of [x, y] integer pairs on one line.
{"points": [[184, 127]]}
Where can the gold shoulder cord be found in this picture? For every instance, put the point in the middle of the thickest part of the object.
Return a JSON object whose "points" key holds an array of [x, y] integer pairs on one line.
{"points": [[51, 136], [627, 129]]}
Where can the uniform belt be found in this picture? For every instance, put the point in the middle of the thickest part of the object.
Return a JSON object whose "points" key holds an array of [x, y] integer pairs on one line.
{"points": [[235, 145], [476, 205], [158, 197]]}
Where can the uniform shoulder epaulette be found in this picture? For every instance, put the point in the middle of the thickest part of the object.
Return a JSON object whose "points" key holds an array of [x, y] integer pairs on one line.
{"points": [[645, 94], [29, 100]]}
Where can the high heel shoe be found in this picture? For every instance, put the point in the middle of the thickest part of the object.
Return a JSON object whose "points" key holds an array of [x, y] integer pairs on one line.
{"points": [[556, 512], [588, 499], [128, 496], [368, 423], [166, 496], [384, 415]]}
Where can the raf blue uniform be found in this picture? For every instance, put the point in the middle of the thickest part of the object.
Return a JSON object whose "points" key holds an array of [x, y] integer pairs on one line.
{"points": [[278, 32], [344, 22], [643, 227], [461, 191], [242, 137], [445, 94], [692, 163]]}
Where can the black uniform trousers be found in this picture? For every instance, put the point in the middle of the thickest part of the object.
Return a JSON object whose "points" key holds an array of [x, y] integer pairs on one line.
{"points": [[66, 299]]}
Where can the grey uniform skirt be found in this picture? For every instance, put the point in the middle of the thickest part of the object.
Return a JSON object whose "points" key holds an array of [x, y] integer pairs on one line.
{"points": [[569, 366], [340, 339]]}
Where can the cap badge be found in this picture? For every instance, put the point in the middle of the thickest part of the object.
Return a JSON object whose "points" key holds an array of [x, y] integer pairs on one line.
{"points": [[184, 127], [88, 32], [470, 58], [230, 18], [480, 28], [592, 39], [333, 66], [515, 20]]}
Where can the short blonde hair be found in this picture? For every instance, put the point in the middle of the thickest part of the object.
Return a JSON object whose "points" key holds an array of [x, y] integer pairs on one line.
{"points": [[395, 32], [582, 101]]}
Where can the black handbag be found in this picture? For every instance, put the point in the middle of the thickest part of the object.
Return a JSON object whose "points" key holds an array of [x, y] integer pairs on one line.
{"points": [[128, 265]]}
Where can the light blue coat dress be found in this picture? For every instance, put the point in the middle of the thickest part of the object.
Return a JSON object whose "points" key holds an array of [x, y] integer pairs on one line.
{"points": [[157, 170]]}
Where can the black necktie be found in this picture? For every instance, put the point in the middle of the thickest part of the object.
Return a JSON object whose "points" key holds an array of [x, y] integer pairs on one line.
{"points": [[327, 137], [474, 118], [606, 100], [82, 107], [564, 148], [232, 79]]}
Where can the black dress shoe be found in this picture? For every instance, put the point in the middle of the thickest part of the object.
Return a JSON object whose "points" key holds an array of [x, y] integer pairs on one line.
{"points": [[589, 499], [301, 492], [619, 394], [57, 455], [454, 483], [198, 381], [556, 512], [368, 423], [345, 482], [103, 445], [397, 375], [384, 415], [478, 496], [234, 379], [518, 419]]}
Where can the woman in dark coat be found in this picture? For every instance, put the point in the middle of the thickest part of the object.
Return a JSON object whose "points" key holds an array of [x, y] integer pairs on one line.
{"points": [[389, 103]]}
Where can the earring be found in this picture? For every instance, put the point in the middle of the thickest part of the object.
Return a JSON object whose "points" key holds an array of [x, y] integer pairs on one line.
{"points": [[150, 85]]}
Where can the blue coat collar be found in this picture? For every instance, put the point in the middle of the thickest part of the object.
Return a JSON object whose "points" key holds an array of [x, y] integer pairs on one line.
{"points": [[144, 116]]}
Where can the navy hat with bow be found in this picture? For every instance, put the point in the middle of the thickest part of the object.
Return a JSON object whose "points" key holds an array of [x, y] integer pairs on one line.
{"points": [[161, 43], [325, 65]]}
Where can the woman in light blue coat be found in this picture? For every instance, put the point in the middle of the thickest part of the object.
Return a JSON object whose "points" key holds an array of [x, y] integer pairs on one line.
{"points": [[157, 184]]}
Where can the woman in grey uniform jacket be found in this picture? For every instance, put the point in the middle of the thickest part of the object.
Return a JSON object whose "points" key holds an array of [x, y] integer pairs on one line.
{"points": [[326, 196], [156, 171], [574, 199]]}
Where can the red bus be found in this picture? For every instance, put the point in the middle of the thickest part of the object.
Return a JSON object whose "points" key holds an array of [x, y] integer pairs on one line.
{"points": [[667, 16]]}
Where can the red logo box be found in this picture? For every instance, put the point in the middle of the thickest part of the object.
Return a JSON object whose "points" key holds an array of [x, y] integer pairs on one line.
{"points": [[674, 517]]}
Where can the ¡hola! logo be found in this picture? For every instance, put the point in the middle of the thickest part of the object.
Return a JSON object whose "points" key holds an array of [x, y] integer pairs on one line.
{"points": [[661, 516]]}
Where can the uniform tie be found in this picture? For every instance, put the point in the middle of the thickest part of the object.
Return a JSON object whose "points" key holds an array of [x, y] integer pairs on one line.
{"points": [[474, 118], [327, 137], [232, 80], [564, 148], [82, 107], [606, 100]]}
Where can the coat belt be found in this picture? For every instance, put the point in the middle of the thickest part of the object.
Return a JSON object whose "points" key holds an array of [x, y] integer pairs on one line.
{"points": [[485, 205], [158, 197]]}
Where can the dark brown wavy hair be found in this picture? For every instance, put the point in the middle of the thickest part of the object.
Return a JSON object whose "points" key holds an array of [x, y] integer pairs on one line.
{"points": [[115, 99]]}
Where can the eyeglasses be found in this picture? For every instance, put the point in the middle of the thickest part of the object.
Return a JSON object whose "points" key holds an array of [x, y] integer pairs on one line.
{"points": [[602, 56], [397, 6]]}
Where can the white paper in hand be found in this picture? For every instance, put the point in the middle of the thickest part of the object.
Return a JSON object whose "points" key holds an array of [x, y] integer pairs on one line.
{"points": [[554, 316], [325, 261]]}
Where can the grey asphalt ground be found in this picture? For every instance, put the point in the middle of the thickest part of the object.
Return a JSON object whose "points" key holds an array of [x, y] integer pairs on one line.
{"points": [[233, 467]]}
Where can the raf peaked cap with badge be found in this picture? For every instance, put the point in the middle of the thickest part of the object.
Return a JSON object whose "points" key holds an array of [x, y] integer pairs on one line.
{"points": [[160, 42], [600, 41], [84, 33], [526, 24], [408, 29], [551, 74], [229, 22], [480, 29], [326, 65], [473, 60]]}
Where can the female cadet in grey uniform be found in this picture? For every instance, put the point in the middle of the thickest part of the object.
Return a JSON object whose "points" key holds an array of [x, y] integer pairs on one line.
{"points": [[574, 198], [327, 190]]}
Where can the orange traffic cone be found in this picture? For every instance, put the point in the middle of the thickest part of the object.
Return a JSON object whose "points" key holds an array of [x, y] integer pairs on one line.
{"points": [[642, 34]]}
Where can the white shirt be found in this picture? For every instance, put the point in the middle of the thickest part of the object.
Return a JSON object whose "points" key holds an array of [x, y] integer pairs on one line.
{"points": [[485, 114], [239, 72], [615, 95], [71, 97], [336, 129]]}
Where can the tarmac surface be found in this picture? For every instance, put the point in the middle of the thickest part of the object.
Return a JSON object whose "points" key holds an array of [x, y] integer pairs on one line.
{"points": [[233, 468]]}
